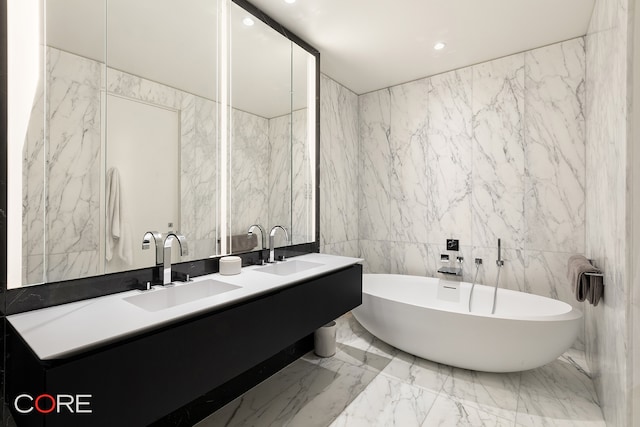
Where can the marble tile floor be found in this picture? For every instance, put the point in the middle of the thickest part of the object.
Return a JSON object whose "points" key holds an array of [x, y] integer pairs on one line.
{"points": [[369, 383]]}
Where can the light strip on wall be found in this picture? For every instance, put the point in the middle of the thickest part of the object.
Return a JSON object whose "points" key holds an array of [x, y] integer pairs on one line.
{"points": [[224, 120], [311, 137], [24, 67]]}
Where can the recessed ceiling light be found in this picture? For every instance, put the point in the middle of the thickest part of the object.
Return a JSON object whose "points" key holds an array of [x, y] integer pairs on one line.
{"points": [[290, 1], [248, 21], [439, 46]]}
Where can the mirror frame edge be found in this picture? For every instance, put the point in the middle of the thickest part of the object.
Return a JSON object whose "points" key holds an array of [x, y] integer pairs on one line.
{"points": [[47, 294]]}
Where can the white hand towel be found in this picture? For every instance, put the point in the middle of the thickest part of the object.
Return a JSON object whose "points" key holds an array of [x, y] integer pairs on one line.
{"points": [[117, 229]]}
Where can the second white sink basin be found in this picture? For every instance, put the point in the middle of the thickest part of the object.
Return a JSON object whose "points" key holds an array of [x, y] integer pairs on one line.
{"points": [[160, 299], [285, 268]]}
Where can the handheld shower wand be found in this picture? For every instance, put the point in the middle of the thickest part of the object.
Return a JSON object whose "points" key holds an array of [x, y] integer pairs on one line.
{"points": [[499, 263]]}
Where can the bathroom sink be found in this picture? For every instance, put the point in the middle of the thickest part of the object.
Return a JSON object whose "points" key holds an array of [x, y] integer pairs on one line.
{"points": [[161, 299], [288, 267]]}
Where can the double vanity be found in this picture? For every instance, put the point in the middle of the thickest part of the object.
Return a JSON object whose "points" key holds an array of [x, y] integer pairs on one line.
{"points": [[142, 355]]}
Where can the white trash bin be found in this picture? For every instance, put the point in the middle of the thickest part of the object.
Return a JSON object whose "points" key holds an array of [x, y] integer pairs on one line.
{"points": [[324, 340]]}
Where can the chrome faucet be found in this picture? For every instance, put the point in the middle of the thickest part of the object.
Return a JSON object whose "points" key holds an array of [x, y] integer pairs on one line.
{"points": [[272, 233], [499, 261], [157, 240], [263, 235], [184, 250]]}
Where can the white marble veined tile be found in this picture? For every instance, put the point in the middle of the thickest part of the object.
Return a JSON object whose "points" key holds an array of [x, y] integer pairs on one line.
{"points": [[607, 343], [417, 371], [34, 269], [376, 256], [408, 258], [249, 172], [279, 137], [73, 161], [72, 265], [306, 394], [33, 184], [387, 402], [349, 248], [559, 379], [302, 209], [338, 162], [132, 86], [539, 410], [493, 393], [555, 146], [408, 141], [449, 156], [204, 175], [498, 152], [447, 411], [188, 180], [376, 163]]}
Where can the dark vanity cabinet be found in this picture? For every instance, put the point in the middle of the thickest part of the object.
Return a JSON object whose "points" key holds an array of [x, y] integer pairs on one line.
{"points": [[140, 380]]}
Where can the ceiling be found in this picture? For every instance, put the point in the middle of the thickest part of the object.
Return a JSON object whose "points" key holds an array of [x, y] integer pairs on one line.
{"points": [[176, 44], [368, 45], [365, 44]]}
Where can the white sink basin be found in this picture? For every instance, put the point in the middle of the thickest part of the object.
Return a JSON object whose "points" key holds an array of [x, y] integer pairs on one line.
{"points": [[285, 268], [160, 299]]}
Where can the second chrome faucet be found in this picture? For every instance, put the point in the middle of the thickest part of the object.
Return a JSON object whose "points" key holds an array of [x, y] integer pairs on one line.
{"points": [[163, 250], [272, 234]]}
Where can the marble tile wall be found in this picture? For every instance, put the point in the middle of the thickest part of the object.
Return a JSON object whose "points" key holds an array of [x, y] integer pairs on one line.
{"points": [[608, 324], [491, 151], [339, 160], [250, 151], [302, 208], [71, 160], [266, 152]]}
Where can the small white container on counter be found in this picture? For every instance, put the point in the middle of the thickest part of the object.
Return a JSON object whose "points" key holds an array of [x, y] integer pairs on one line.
{"points": [[230, 265]]}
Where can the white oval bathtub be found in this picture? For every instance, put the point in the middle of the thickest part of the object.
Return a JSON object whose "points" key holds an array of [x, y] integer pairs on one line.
{"points": [[429, 318]]}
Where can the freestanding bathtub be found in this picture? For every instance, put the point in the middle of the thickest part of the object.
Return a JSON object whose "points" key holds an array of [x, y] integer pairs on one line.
{"points": [[430, 318]]}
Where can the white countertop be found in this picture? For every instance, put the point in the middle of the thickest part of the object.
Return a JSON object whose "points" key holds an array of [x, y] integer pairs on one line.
{"points": [[63, 330]]}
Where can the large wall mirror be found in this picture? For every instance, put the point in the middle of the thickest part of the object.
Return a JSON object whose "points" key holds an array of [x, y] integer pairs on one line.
{"points": [[272, 150], [120, 132]]}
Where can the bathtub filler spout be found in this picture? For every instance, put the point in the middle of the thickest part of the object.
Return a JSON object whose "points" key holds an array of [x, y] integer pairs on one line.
{"points": [[184, 250], [445, 269]]}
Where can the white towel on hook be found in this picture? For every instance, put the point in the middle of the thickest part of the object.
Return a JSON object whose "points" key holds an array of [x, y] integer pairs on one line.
{"points": [[117, 229]]}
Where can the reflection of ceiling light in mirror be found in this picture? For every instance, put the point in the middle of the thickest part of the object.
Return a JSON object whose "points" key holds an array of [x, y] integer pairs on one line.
{"points": [[290, 1], [439, 46], [248, 21]]}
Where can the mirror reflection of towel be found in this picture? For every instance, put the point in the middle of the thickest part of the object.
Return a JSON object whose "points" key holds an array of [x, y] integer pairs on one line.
{"points": [[117, 229]]}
